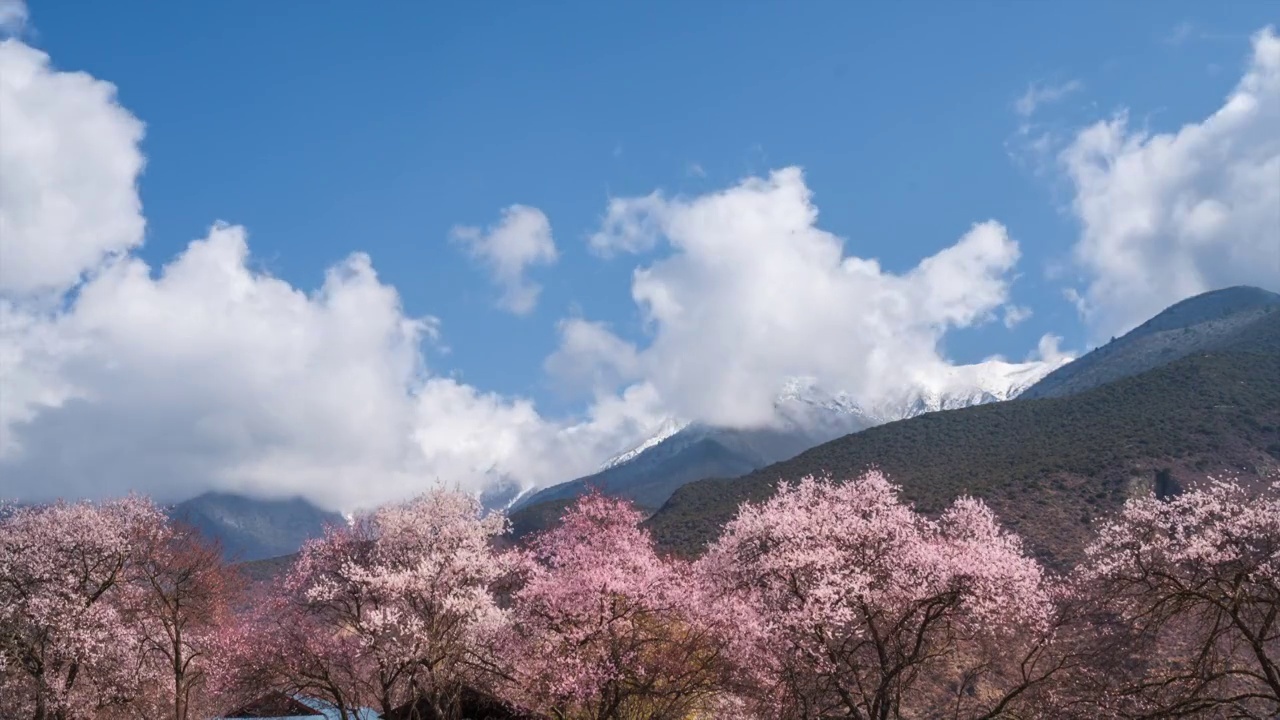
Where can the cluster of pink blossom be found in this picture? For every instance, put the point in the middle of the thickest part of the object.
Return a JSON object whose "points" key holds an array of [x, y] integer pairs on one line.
{"points": [[397, 605], [603, 627], [864, 601], [1193, 584], [829, 599], [105, 610]]}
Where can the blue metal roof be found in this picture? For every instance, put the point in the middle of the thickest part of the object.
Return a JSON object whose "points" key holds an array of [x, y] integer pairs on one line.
{"points": [[324, 711], [329, 711]]}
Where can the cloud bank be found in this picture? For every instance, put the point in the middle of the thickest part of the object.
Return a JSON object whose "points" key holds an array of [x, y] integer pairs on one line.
{"points": [[1165, 216], [203, 373], [753, 291]]}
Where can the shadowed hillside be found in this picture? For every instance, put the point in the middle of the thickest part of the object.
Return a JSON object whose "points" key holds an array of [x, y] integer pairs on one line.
{"points": [[650, 479], [1221, 320], [251, 529], [1047, 467], [267, 569]]}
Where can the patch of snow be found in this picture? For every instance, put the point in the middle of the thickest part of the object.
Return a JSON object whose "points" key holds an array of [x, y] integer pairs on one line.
{"points": [[803, 405], [524, 492], [962, 386], [669, 427]]}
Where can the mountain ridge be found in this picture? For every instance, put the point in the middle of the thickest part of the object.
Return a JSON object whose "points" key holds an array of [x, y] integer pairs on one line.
{"points": [[1047, 467], [807, 415], [254, 529], [1212, 321], [987, 381]]}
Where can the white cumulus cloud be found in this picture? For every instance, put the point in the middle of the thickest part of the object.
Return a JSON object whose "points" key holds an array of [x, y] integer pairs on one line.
{"points": [[204, 373], [1168, 215], [591, 360], [520, 239], [69, 159], [752, 292], [210, 375]]}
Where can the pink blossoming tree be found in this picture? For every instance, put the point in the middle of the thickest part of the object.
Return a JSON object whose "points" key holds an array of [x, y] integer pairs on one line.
{"points": [[605, 629], [404, 594], [184, 592], [278, 645], [874, 611], [70, 644], [1192, 585]]}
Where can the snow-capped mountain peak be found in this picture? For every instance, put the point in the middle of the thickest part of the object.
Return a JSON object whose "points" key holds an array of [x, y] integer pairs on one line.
{"points": [[960, 386], [807, 391], [669, 427], [805, 407]]}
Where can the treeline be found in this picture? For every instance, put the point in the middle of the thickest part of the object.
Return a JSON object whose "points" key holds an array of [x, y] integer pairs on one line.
{"points": [[828, 600]]}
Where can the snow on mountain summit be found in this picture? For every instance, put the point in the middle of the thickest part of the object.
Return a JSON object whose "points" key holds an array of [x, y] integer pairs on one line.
{"points": [[805, 406], [960, 386], [954, 387], [669, 427]]}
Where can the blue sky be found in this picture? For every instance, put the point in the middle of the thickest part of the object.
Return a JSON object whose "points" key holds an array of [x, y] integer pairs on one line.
{"points": [[327, 128]]}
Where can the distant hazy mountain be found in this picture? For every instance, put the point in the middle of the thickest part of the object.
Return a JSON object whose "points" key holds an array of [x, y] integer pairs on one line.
{"points": [[251, 529], [1211, 322], [681, 452], [502, 494]]}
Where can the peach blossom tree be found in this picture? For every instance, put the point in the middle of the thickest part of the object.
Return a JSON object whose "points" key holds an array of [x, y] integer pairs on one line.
{"points": [[871, 610], [604, 628], [70, 639], [402, 595], [1193, 584]]}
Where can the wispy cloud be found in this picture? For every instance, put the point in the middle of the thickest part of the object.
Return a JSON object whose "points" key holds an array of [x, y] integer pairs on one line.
{"points": [[1181, 33], [13, 17], [1040, 93], [1187, 32], [520, 239], [1036, 141], [1015, 314]]}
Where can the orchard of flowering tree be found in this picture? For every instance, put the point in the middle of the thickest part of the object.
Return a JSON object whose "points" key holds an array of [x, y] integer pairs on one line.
{"points": [[828, 600]]}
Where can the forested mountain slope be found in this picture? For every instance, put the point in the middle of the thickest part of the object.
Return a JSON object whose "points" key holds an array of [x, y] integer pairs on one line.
{"points": [[1220, 320], [1048, 467]]}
